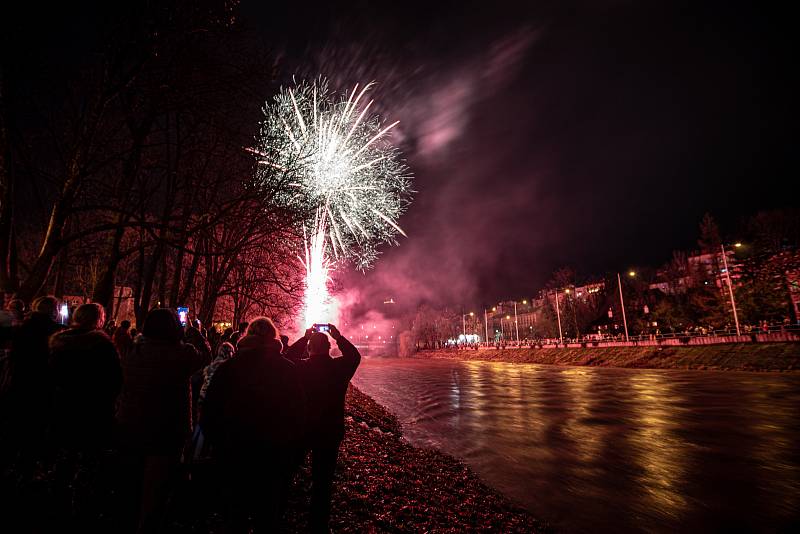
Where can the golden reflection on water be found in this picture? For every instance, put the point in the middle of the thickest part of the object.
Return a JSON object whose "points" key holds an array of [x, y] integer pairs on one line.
{"points": [[770, 423], [662, 456], [589, 440], [505, 392], [612, 449]]}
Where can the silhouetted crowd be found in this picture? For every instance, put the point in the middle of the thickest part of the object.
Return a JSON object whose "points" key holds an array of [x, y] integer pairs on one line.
{"points": [[169, 403]]}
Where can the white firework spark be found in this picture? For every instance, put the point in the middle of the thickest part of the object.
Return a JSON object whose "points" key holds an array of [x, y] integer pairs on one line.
{"points": [[337, 161]]}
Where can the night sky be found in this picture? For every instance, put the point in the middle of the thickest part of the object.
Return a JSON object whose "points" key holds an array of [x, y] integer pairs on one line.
{"points": [[588, 134]]}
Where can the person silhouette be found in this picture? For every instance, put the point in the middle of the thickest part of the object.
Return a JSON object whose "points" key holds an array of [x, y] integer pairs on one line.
{"points": [[325, 381], [254, 415]]}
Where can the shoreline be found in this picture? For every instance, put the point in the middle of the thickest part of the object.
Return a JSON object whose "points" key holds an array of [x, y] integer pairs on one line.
{"points": [[758, 357], [383, 483]]}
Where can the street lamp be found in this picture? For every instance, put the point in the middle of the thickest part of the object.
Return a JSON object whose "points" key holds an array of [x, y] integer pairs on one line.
{"points": [[464, 323], [574, 315], [558, 314], [516, 325], [730, 287], [486, 326], [622, 303]]}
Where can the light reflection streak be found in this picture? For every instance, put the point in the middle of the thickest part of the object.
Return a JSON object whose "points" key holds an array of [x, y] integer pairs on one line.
{"points": [[661, 454], [588, 439]]}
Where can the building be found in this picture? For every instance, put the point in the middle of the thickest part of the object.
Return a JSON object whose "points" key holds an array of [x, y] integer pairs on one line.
{"points": [[508, 319], [709, 267]]}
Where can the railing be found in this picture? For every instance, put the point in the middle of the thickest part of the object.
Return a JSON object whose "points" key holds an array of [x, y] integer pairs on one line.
{"points": [[775, 333]]}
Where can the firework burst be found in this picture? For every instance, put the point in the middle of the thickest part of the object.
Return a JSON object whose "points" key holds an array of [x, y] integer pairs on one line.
{"points": [[333, 159]]}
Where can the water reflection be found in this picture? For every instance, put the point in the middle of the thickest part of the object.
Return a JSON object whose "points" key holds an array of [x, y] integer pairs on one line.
{"points": [[610, 449], [660, 453]]}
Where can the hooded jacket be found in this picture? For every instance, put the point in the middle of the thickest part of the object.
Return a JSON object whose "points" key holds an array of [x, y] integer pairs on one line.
{"points": [[154, 414], [255, 404], [86, 377]]}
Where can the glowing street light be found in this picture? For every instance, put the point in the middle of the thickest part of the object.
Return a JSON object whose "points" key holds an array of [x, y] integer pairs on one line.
{"points": [[558, 314], [622, 303], [502, 328], [730, 287], [486, 326], [464, 322]]}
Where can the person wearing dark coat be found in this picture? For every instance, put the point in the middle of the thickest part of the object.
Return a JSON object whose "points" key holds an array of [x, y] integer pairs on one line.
{"points": [[27, 406], [254, 416], [325, 381], [122, 338], [194, 337], [239, 334], [154, 416], [87, 378]]}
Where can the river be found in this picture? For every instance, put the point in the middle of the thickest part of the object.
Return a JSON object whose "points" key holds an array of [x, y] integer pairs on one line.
{"points": [[600, 449]]}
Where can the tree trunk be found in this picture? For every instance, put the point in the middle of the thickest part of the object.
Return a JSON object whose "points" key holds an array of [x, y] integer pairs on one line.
{"points": [[138, 309], [58, 284], [53, 240], [162, 282], [7, 281], [103, 291], [40, 270], [149, 278], [175, 285], [183, 296]]}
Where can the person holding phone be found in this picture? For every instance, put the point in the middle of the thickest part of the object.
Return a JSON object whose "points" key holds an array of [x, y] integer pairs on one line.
{"points": [[325, 381]]}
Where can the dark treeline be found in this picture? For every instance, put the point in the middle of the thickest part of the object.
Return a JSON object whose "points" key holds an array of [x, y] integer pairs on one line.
{"points": [[123, 162]]}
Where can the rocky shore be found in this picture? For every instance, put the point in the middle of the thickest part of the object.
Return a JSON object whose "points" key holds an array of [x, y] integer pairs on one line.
{"points": [[386, 485], [726, 357], [383, 484]]}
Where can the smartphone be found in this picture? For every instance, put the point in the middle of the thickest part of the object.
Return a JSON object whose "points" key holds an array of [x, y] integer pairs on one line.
{"points": [[183, 315], [319, 327]]}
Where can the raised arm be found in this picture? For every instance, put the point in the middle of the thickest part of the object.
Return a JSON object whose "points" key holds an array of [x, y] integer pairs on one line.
{"points": [[351, 358], [297, 350]]}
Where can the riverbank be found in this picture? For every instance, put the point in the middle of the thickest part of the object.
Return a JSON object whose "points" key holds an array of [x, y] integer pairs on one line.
{"points": [[386, 485], [383, 484], [728, 357]]}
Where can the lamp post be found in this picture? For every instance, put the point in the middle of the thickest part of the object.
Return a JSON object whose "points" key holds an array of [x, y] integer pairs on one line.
{"points": [[485, 326], [622, 304], [730, 288], [574, 315], [558, 314], [464, 323], [516, 324]]}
